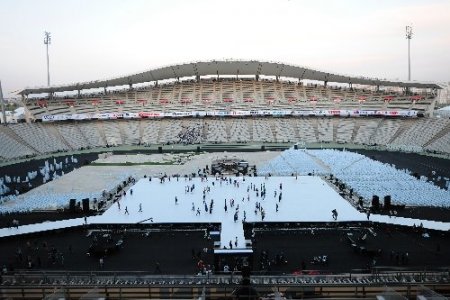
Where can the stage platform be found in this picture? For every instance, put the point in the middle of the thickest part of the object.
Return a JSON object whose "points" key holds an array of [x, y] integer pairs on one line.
{"points": [[304, 199]]}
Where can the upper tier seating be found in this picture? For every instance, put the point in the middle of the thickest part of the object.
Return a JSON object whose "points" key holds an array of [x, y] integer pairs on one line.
{"points": [[226, 94]]}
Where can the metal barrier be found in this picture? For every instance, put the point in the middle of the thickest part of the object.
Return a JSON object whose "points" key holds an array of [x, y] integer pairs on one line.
{"points": [[128, 285]]}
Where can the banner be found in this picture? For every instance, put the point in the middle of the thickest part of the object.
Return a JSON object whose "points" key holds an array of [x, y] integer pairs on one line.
{"points": [[232, 113], [150, 115]]}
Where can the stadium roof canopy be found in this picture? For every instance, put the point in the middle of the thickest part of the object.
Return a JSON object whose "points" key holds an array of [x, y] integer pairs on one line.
{"points": [[226, 67]]}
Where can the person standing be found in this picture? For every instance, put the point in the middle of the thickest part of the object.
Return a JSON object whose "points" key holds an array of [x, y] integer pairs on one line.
{"points": [[157, 268], [101, 263], [126, 210]]}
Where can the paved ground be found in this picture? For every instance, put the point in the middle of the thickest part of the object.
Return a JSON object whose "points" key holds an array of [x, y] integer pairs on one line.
{"points": [[302, 246], [173, 250]]}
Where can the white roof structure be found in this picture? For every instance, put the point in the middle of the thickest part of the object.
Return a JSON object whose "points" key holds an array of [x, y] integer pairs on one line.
{"points": [[227, 67]]}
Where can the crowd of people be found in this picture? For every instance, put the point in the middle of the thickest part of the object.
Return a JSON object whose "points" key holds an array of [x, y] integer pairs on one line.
{"points": [[190, 135]]}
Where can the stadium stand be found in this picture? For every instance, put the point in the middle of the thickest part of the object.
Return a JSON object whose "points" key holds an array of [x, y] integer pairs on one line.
{"points": [[150, 132], [11, 147], [112, 133], [92, 134], [39, 137], [216, 131], [307, 129], [28, 139], [418, 133], [289, 104], [240, 131], [284, 130], [386, 131], [72, 135], [227, 94], [440, 144], [131, 132], [365, 129], [325, 129]]}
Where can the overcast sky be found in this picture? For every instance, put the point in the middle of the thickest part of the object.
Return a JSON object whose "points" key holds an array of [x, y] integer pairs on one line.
{"points": [[95, 39]]}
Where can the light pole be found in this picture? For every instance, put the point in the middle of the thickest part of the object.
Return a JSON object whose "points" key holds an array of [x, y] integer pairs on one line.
{"points": [[3, 104], [409, 34], [47, 41]]}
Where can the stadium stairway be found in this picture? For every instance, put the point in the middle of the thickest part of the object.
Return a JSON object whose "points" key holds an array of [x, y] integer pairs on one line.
{"points": [[228, 131], [273, 130], [380, 123], [83, 135], [101, 130], [438, 135], [399, 132], [121, 131], [250, 130], [355, 131], [55, 132], [141, 131], [319, 162]]}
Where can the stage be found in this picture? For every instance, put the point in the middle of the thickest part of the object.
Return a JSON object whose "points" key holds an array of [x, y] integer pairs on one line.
{"points": [[304, 199]]}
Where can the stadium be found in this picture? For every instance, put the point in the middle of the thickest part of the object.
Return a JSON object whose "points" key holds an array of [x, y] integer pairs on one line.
{"points": [[323, 186]]}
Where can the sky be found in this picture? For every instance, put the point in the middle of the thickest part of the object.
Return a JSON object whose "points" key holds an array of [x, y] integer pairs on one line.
{"points": [[98, 39]]}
